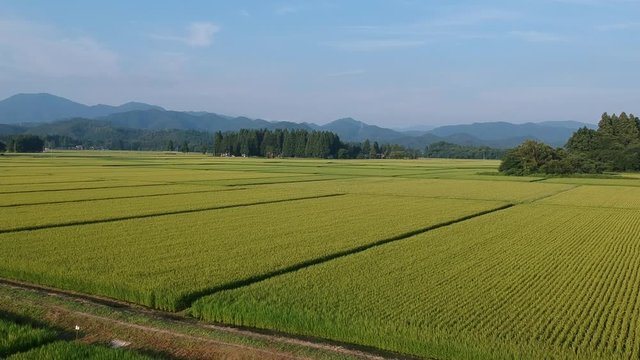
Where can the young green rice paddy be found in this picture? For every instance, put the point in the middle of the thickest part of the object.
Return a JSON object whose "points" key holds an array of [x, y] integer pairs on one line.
{"points": [[442, 259]]}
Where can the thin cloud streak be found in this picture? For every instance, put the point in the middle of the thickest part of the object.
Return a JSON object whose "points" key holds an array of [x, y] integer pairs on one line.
{"points": [[446, 25], [346, 73], [619, 26], [199, 34], [462, 25], [285, 10], [537, 36], [374, 45]]}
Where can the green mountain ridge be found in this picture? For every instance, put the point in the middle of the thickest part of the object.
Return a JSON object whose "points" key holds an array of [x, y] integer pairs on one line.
{"points": [[30, 110]]}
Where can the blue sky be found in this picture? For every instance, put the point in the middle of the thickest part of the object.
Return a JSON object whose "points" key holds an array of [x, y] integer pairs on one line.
{"points": [[396, 63]]}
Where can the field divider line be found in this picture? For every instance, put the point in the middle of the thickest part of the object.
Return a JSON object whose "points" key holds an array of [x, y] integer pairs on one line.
{"points": [[86, 188], [550, 195], [289, 182], [589, 206], [538, 180], [120, 197], [54, 182], [175, 212], [427, 197], [187, 301]]}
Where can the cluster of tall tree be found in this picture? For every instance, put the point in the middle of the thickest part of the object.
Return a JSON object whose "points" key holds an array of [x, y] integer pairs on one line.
{"points": [[447, 150], [23, 144], [301, 143], [267, 143], [614, 146]]}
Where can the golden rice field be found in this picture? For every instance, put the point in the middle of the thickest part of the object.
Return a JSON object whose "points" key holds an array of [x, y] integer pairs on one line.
{"points": [[440, 259]]}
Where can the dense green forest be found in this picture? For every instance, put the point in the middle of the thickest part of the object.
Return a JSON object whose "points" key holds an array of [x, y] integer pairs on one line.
{"points": [[614, 146], [447, 150], [94, 134], [80, 133], [23, 144], [302, 143]]}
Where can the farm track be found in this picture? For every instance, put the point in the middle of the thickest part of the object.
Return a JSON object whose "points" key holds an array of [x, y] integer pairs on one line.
{"points": [[119, 197], [176, 212], [123, 308]]}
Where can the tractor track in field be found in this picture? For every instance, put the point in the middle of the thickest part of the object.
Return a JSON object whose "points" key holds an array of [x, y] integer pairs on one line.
{"points": [[269, 336]]}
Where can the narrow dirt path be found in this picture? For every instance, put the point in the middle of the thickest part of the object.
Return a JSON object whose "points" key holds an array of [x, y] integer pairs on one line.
{"points": [[174, 335]]}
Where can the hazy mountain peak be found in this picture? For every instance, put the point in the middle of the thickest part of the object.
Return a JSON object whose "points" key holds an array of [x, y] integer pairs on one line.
{"points": [[44, 107], [347, 120]]}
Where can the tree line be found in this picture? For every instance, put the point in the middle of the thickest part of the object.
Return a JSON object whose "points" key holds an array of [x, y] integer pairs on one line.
{"points": [[613, 146], [445, 150], [91, 134], [23, 144], [303, 144]]}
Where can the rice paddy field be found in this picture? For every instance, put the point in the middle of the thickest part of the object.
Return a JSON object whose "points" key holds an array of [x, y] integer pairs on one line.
{"points": [[441, 259]]}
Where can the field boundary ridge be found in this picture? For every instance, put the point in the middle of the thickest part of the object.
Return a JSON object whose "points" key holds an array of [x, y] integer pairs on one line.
{"points": [[175, 212], [188, 300]]}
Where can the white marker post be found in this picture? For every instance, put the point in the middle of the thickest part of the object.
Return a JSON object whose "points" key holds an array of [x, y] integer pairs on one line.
{"points": [[77, 331]]}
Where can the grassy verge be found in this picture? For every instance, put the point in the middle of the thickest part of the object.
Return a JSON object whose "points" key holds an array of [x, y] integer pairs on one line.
{"points": [[172, 336]]}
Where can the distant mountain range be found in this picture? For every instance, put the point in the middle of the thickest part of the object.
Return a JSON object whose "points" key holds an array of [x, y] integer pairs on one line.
{"points": [[26, 113]]}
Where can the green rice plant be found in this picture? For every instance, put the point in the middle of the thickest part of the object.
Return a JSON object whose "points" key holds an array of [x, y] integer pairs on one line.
{"points": [[629, 180], [509, 191], [50, 215], [17, 337], [39, 198], [627, 197], [529, 282], [49, 187], [62, 350], [167, 261]]}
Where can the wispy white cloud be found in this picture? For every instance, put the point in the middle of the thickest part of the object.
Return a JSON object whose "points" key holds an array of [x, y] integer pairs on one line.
{"points": [[285, 10], [199, 34], [35, 48], [476, 17], [537, 36], [619, 26], [445, 25], [346, 73], [597, 2], [462, 25], [244, 13], [374, 45]]}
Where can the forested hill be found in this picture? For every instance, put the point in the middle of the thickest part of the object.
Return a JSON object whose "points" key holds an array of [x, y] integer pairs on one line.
{"points": [[86, 133], [34, 109], [95, 134]]}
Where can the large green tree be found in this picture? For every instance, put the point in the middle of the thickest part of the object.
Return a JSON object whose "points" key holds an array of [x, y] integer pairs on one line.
{"points": [[28, 144], [614, 146], [528, 158]]}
